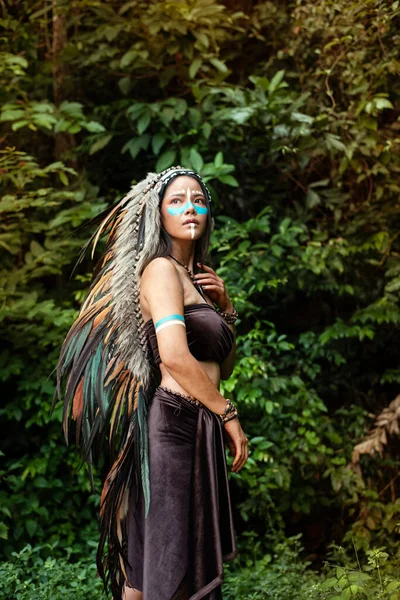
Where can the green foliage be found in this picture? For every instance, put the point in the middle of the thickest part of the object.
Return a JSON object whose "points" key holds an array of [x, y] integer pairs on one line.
{"points": [[376, 579], [37, 573], [278, 575]]}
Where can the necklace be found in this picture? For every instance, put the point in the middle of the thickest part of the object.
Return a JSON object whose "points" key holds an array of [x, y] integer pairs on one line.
{"points": [[184, 266], [196, 285]]}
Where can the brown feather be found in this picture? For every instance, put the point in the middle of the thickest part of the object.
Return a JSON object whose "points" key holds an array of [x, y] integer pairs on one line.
{"points": [[132, 387], [114, 227], [118, 399], [77, 402]]}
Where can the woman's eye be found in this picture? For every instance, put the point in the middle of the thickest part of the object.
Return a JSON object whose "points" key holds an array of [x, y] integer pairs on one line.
{"points": [[175, 200]]}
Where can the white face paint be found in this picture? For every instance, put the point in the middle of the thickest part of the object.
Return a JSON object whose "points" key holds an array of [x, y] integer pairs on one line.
{"points": [[192, 230]]}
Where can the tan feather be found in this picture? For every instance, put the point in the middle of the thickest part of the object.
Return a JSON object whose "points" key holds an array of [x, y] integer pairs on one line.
{"points": [[103, 225], [112, 329], [115, 373], [101, 316]]}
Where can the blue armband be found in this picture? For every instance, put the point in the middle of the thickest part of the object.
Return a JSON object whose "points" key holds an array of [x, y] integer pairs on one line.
{"points": [[170, 320]]}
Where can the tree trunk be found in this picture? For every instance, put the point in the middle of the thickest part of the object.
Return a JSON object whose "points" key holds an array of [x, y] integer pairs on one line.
{"points": [[64, 142]]}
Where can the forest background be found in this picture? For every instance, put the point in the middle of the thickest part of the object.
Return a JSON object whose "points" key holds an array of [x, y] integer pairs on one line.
{"points": [[290, 111]]}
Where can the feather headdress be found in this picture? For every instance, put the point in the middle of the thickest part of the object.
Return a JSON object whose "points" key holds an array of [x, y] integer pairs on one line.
{"points": [[106, 362]]}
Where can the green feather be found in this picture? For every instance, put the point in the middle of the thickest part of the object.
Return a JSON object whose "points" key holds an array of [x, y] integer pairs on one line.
{"points": [[102, 395], [144, 448], [76, 344]]}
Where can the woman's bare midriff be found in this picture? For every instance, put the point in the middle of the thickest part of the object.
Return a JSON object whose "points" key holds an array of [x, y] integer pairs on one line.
{"points": [[211, 368]]}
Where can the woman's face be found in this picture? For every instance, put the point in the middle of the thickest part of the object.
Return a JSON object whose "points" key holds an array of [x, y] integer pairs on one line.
{"points": [[184, 209]]}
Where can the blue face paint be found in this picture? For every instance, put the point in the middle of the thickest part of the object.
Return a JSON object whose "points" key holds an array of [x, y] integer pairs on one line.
{"points": [[178, 210]]}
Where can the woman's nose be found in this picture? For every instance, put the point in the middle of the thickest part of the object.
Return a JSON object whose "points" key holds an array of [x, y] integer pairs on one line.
{"points": [[190, 207]]}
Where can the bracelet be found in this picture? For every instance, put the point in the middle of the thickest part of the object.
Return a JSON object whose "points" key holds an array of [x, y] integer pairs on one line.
{"points": [[229, 413], [230, 317], [230, 417]]}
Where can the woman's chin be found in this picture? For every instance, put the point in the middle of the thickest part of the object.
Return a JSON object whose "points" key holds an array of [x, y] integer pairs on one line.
{"points": [[187, 236]]}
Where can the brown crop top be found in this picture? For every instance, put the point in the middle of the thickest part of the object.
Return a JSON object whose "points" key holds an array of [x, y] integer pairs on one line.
{"points": [[208, 335]]}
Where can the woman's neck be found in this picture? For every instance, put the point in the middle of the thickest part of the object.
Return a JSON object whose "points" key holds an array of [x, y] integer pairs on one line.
{"points": [[184, 252]]}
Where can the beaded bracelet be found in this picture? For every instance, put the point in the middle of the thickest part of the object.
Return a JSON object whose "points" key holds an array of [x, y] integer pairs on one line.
{"points": [[230, 411], [230, 417], [230, 317]]}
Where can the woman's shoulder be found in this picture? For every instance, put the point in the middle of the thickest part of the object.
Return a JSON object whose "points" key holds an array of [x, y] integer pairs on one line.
{"points": [[159, 268]]}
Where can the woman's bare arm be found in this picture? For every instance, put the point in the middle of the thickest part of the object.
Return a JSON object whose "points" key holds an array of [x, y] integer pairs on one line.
{"points": [[163, 292]]}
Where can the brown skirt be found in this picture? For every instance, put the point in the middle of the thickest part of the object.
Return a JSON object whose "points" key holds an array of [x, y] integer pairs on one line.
{"points": [[179, 549]]}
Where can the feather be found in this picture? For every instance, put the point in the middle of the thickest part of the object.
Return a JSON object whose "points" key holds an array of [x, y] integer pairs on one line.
{"points": [[77, 406], [144, 447]]}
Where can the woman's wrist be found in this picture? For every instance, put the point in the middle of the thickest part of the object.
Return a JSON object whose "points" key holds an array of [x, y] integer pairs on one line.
{"points": [[229, 413], [227, 306], [230, 315]]}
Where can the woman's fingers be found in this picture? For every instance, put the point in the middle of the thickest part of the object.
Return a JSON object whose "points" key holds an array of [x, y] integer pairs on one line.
{"points": [[242, 454], [207, 279], [211, 286], [207, 268]]}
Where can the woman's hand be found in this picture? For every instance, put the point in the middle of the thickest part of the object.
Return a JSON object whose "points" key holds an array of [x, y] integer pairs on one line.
{"points": [[237, 443], [214, 286]]}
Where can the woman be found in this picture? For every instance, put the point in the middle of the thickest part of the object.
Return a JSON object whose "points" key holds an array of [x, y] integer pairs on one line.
{"points": [[146, 354]]}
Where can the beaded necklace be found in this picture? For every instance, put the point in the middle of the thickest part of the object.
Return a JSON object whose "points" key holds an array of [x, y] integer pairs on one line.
{"points": [[196, 285]]}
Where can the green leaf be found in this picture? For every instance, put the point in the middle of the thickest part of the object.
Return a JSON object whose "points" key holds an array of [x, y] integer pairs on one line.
{"points": [[301, 118], [19, 124], [312, 199], [44, 120], [100, 143], [269, 406], [31, 527], [158, 141], [35, 248], [382, 103], [128, 58], [196, 160], [143, 122], [3, 531], [166, 160], [219, 160], [63, 177], [194, 67], [11, 115], [202, 38], [73, 109], [206, 130], [95, 127], [135, 110], [219, 65], [125, 85], [275, 81], [228, 180], [135, 145]]}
